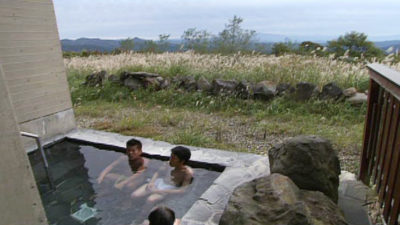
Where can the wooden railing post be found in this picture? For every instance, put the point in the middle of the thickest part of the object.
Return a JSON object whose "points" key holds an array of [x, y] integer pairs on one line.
{"points": [[372, 98], [380, 157]]}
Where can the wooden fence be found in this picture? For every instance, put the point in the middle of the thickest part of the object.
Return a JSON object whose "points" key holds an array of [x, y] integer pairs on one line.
{"points": [[380, 159]]}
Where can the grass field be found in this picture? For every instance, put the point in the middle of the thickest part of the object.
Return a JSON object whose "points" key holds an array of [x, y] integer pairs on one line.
{"points": [[194, 118]]}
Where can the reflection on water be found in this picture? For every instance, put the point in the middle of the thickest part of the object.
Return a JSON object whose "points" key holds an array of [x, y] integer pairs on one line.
{"points": [[75, 169]]}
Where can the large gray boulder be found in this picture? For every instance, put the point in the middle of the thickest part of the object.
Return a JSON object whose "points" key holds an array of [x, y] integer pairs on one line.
{"points": [[331, 91], [203, 85], [284, 88], [136, 80], [188, 83], [133, 83], [275, 199], [95, 79], [310, 161], [244, 90], [349, 92], [224, 86], [304, 91], [265, 90], [165, 83], [358, 99], [114, 79]]}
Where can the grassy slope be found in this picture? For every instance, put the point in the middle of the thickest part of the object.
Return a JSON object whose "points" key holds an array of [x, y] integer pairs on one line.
{"points": [[210, 121]]}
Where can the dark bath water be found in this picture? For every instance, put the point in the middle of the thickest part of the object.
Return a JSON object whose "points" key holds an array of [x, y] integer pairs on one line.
{"points": [[75, 168]]}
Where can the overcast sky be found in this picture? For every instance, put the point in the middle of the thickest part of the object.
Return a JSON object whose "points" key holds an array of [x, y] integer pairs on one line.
{"points": [[114, 19]]}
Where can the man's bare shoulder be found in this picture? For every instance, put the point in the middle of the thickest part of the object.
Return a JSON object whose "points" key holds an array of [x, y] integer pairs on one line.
{"points": [[189, 170]]}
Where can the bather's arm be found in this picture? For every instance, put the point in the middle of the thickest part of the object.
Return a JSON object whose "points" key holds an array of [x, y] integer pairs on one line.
{"points": [[109, 168], [120, 185]]}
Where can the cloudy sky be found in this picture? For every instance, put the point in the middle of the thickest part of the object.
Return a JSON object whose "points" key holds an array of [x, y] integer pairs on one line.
{"points": [[114, 19]]}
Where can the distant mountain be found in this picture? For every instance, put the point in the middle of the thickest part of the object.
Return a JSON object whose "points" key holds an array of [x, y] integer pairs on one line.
{"points": [[96, 44], [264, 37], [389, 46], [90, 44]]}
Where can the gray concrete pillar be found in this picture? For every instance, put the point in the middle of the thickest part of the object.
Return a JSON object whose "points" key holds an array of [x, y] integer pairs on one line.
{"points": [[20, 201]]}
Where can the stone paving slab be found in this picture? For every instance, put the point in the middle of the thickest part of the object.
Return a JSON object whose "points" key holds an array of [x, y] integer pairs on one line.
{"points": [[352, 198], [208, 209]]}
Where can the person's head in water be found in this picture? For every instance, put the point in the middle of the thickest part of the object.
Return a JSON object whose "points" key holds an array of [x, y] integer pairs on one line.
{"points": [[133, 148], [161, 216], [179, 156]]}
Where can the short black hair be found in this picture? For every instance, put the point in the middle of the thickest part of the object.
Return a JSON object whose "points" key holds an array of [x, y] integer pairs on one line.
{"points": [[162, 216], [182, 153], [133, 142]]}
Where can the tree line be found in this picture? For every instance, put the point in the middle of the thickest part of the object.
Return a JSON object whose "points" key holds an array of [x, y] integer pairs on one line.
{"points": [[233, 39]]}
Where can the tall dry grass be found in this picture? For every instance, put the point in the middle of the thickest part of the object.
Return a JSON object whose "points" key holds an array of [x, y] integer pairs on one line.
{"points": [[253, 68]]}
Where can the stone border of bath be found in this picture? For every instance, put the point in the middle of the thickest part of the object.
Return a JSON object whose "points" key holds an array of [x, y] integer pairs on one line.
{"points": [[239, 168]]}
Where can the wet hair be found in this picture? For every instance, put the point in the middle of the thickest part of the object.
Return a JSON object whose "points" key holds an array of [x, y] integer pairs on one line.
{"points": [[133, 142], [182, 153], [136, 164], [161, 216]]}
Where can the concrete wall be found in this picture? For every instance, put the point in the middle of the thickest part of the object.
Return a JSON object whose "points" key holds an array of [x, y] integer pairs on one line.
{"points": [[19, 198], [34, 97], [31, 55]]}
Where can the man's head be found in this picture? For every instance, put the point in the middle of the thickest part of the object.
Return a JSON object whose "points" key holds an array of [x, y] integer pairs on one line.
{"points": [[179, 155], [133, 148], [161, 216]]}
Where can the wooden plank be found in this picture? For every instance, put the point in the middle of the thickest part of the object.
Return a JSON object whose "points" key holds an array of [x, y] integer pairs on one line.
{"points": [[378, 121], [32, 101], [25, 4], [43, 96], [390, 81], [21, 51], [40, 83], [27, 21], [35, 78], [395, 168], [48, 93], [5, 44], [42, 102], [17, 95], [30, 87], [45, 111], [53, 63], [28, 36], [389, 150], [27, 72], [12, 27], [44, 12], [26, 58], [380, 135], [384, 146], [36, 2], [394, 213], [370, 142], [369, 124]]}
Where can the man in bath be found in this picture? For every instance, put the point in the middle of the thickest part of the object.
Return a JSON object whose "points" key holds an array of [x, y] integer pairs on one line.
{"points": [[163, 182], [136, 162]]}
